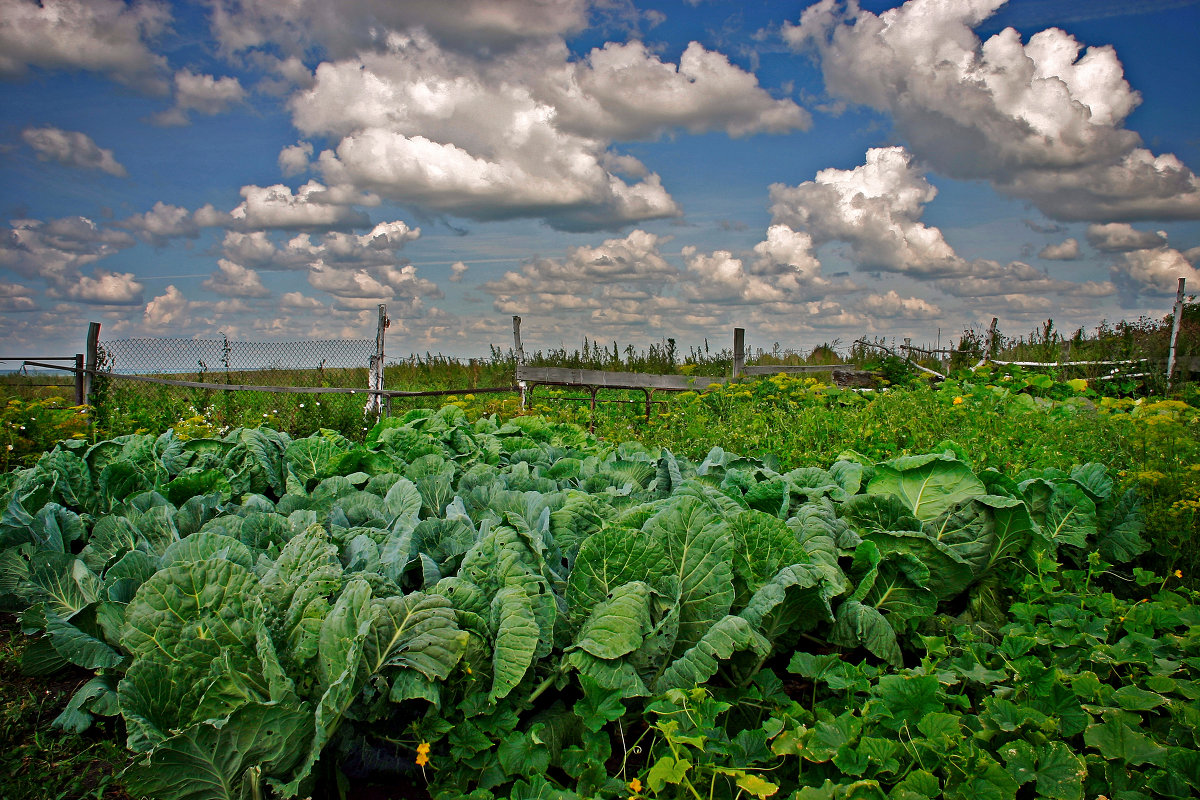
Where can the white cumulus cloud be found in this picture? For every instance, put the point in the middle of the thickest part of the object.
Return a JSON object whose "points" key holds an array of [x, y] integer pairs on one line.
{"points": [[202, 93], [1041, 120], [105, 36], [877, 209], [233, 280], [1121, 237], [1067, 250], [72, 148]]}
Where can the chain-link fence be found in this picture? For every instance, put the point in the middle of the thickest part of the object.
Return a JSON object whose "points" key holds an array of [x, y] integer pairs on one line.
{"points": [[127, 405], [213, 357]]}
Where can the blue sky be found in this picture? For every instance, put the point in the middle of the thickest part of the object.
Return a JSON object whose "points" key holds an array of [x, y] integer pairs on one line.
{"points": [[611, 169]]}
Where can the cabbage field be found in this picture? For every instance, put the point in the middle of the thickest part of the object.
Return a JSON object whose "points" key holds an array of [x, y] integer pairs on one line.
{"points": [[480, 609]]}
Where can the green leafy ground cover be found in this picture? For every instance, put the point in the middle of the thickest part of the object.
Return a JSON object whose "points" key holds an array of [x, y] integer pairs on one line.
{"points": [[517, 609]]}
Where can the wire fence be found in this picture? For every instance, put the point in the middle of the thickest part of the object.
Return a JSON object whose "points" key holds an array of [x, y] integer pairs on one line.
{"points": [[210, 357]]}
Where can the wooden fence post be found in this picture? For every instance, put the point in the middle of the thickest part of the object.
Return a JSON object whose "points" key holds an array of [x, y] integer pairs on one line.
{"points": [[1174, 334], [89, 364], [739, 352], [992, 347], [375, 403], [520, 355], [80, 394]]}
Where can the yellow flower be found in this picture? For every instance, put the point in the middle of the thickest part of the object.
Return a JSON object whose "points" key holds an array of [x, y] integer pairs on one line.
{"points": [[958, 401], [635, 786], [422, 754], [1178, 573]]}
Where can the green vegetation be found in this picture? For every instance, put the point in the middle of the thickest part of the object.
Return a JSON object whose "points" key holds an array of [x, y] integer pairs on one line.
{"points": [[517, 609], [927, 591]]}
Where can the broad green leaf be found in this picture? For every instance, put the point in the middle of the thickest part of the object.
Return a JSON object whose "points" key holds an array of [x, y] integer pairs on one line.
{"points": [[417, 632], [857, 624], [1055, 770], [111, 536], [929, 485], [617, 626], [1066, 515], [667, 770], [97, 696], [699, 550], [878, 512], [516, 640], [1120, 532], [231, 762], [1116, 740], [203, 546], [608, 559], [205, 596], [700, 662], [82, 646], [762, 545]]}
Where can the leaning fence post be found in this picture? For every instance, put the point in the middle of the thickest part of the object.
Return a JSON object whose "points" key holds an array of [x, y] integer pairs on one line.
{"points": [[375, 377], [520, 351], [1174, 334], [89, 365], [739, 352]]}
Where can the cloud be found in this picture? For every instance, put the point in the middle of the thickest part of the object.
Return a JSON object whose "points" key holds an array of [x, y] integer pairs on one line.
{"points": [[234, 280], [876, 208], [457, 270], [71, 148], [312, 206], [623, 91], [168, 311], [722, 278], [476, 138], [104, 288], [296, 301], [892, 306], [1067, 250], [162, 223], [1038, 120], [204, 94], [1121, 237], [357, 284], [15, 297], [56, 251], [105, 36], [992, 279], [633, 265], [295, 158], [312, 25], [1152, 272]]}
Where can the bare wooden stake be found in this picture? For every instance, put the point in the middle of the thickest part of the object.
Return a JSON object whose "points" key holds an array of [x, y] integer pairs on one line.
{"points": [[375, 376], [80, 394], [1174, 334], [739, 352], [520, 357], [90, 366]]}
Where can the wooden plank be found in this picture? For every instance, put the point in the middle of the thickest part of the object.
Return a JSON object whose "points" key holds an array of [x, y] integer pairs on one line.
{"points": [[797, 368], [562, 376]]}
